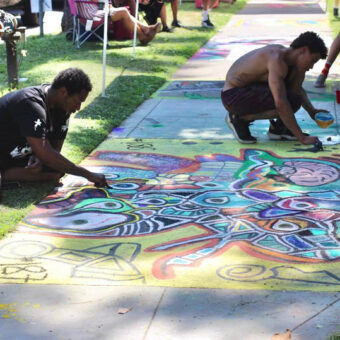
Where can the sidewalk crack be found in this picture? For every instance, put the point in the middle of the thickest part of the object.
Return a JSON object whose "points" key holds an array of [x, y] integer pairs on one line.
{"points": [[316, 314], [154, 314]]}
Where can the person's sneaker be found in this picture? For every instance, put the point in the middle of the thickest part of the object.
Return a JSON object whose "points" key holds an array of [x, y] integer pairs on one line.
{"points": [[167, 29], [207, 23], [176, 23], [240, 129], [320, 81], [278, 131], [336, 11]]}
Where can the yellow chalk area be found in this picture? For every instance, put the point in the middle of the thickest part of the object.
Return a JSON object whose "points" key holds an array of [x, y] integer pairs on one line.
{"points": [[10, 310]]}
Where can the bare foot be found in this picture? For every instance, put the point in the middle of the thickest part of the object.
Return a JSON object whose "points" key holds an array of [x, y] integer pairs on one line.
{"points": [[156, 27], [144, 29], [153, 30]]}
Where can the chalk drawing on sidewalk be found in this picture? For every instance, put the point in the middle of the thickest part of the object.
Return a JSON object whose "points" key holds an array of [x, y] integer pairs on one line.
{"points": [[207, 89], [191, 90], [295, 8], [252, 273], [219, 49], [105, 262], [188, 215], [277, 22]]}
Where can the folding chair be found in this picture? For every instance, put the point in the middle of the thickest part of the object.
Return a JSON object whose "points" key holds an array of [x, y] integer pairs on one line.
{"points": [[85, 25]]}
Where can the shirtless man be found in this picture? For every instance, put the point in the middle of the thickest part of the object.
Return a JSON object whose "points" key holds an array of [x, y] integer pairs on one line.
{"points": [[267, 83]]}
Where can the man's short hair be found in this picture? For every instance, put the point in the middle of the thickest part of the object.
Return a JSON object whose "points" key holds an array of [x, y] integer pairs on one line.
{"points": [[314, 43], [73, 79]]}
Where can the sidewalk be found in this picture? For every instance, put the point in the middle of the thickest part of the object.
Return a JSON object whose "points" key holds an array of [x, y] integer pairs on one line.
{"points": [[187, 109]]}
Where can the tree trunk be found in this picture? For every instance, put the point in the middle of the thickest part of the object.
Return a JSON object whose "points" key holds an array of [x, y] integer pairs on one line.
{"points": [[67, 19]]}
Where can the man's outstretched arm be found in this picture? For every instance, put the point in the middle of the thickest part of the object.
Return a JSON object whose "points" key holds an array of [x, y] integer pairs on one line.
{"points": [[53, 159]]}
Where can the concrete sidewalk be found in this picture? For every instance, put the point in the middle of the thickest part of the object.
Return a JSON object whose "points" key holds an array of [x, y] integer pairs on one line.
{"points": [[35, 312]]}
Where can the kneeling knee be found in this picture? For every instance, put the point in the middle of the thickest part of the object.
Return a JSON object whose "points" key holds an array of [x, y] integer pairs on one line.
{"points": [[44, 174]]}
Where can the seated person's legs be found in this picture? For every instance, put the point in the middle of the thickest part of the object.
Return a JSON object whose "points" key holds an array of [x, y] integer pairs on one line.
{"points": [[162, 16], [174, 9], [145, 33], [153, 10], [250, 103], [206, 7]]}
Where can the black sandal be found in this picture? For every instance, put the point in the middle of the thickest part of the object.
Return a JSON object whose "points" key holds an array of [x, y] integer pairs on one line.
{"points": [[167, 29]]}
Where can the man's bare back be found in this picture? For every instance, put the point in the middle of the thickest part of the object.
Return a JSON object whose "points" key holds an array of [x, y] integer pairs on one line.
{"points": [[253, 66]]}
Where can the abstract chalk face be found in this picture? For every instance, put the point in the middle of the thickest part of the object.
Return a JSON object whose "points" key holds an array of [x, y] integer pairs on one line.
{"points": [[308, 173], [275, 208]]}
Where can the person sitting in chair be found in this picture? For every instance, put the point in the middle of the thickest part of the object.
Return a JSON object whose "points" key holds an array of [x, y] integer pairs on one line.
{"points": [[153, 10], [145, 33]]}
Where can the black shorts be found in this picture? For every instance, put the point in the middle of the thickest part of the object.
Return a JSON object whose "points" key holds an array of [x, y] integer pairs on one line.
{"points": [[152, 11], [255, 98]]}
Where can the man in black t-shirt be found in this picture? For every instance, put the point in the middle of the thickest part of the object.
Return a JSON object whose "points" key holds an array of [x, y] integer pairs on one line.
{"points": [[33, 126]]}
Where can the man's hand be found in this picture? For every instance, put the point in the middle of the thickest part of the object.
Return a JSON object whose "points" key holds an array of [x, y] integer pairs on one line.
{"points": [[314, 111], [34, 164], [307, 140], [99, 180]]}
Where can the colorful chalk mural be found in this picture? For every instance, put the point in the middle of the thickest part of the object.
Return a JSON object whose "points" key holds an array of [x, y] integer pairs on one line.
{"points": [[277, 22], [209, 89], [191, 90], [188, 213], [281, 8], [220, 49]]}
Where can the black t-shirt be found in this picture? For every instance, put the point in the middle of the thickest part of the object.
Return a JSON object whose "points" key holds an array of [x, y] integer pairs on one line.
{"points": [[24, 113]]}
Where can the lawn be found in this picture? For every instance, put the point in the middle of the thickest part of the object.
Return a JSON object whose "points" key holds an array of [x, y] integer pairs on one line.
{"points": [[129, 82]]}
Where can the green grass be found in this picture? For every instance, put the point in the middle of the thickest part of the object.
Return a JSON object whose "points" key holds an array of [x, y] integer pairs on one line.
{"points": [[333, 21], [335, 336], [129, 82]]}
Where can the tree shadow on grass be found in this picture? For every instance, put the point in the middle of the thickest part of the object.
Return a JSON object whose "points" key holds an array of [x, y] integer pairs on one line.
{"points": [[28, 193], [116, 56]]}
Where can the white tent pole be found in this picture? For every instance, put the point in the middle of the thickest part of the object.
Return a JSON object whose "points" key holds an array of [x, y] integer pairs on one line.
{"points": [[135, 30], [106, 12]]}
